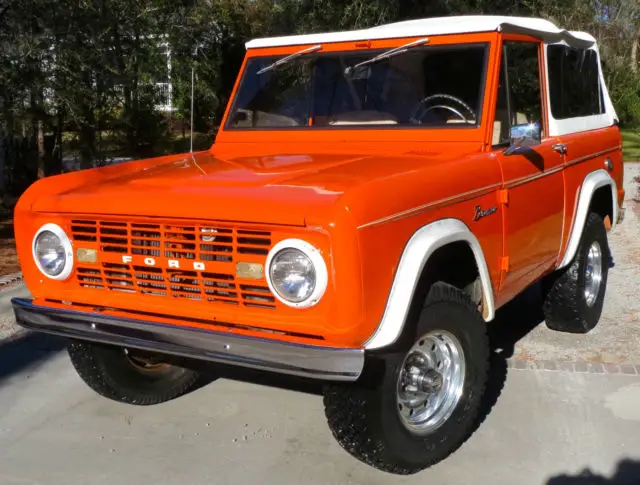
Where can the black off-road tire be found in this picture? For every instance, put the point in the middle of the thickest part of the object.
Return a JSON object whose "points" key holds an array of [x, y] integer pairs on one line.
{"points": [[565, 306], [363, 416], [110, 372]]}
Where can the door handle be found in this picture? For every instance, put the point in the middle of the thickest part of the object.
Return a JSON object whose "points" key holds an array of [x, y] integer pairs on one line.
{"points": [[561, 148]]}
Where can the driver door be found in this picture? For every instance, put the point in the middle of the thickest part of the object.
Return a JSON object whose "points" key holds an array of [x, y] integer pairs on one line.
{"points": [[533, 190]]}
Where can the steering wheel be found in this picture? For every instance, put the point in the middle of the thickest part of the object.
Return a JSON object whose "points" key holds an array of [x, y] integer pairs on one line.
{"points": [[422, 108]]}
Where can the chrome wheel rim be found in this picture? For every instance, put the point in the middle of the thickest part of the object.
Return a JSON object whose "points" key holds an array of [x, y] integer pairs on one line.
{"points": [[430, 382], [593, 274]]}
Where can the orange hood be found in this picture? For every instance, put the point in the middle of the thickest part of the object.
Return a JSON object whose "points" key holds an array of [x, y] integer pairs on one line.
{"points": [[199, 185]]}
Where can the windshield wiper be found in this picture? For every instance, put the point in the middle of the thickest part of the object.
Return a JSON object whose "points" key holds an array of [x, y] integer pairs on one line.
{"points": [[386, 54], [284, 60]]}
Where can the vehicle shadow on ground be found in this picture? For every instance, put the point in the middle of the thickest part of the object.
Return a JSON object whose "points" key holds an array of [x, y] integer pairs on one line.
{"points": [[212, 372], [627, 473], [26, 351], [512, 323]]}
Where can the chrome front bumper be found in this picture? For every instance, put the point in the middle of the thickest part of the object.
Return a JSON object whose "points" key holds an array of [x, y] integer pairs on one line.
{"points": [[328, 363]]}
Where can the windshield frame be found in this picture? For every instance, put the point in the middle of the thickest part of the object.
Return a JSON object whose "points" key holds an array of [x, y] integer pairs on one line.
{"points": [[471, 133], [370, 53]]}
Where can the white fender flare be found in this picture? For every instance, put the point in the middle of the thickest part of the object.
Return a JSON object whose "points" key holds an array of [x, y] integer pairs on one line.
{"points": [[592, 182], [417, 252]]}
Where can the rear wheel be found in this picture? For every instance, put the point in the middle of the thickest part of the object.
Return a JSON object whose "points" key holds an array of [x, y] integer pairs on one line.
{"points": [[131, 376], [574, 296], [425, 401]]}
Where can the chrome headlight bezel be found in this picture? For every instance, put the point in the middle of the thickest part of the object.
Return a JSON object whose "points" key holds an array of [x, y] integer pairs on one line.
{"points": [[66, 244], [319, 265]]}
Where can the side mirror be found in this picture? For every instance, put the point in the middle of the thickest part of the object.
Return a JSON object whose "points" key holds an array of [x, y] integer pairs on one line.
{"points": [[527, 135]]}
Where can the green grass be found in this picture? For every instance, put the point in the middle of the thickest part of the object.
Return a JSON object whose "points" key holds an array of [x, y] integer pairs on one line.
{"points": [[631, 145]]}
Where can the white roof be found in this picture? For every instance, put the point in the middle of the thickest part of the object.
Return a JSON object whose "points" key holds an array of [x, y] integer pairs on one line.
{"points": [[438, 26]]}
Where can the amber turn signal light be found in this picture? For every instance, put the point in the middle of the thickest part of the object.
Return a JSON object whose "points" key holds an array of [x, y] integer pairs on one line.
{"points": [[85, 255], [252, 271]]}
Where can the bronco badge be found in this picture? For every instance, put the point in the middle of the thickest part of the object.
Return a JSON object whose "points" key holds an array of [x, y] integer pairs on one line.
{"points": [[483, 213]]}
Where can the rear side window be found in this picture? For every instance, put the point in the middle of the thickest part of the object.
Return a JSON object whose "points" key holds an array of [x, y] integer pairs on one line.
{"points": [[574, 82]]}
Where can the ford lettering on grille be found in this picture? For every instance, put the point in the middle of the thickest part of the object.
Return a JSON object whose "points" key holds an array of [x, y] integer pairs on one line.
{"points": [[171, 263]]}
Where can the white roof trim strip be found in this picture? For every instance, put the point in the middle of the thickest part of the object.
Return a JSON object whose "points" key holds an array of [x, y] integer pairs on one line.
{"points": [[535, 27]]}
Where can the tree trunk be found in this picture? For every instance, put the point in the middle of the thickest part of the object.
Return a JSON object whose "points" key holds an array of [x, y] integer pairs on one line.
{"points": [[87, 138], [53, 149], [35, 138], [635, 54], [129, 116], [2, 159], [87, 146], [41, 150], [6, 144], [57, 146]]}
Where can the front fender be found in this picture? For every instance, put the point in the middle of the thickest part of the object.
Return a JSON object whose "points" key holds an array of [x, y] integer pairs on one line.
{"points": [[424, 242]]}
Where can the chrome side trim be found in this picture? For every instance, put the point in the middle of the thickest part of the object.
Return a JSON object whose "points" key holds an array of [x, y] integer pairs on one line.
{"points": [[530, 178], [329, 363], [421, 208], [484, 190], [558, 168], [592, 182], [415, 256], [593, 155]]}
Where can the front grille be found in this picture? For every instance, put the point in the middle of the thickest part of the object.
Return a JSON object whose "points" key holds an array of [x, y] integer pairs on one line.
{"points": [[198, 242], [177, 245]]}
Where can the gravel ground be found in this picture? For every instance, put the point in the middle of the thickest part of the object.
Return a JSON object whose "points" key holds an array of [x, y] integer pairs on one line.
{"points": [[544, 429], [518, 330], [616, 339], [8, 327]]}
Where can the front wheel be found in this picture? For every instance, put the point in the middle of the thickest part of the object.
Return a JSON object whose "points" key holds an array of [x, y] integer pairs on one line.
{"points": [[424, 404], [129, 375]]}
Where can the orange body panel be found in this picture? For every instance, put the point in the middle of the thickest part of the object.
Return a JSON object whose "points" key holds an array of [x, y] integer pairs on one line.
{"points": [[580, 161], [358, 195]]}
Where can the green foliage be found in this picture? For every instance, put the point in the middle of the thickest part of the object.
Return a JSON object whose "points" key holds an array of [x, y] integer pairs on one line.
{"points": [[631, 145], [86, 65], [624, 88]]}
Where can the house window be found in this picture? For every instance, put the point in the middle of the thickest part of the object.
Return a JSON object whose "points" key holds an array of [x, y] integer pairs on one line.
{"points": [[574, 82]]}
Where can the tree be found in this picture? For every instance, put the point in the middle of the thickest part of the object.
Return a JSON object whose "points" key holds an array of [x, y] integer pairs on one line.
{"points": [[89, 66]]}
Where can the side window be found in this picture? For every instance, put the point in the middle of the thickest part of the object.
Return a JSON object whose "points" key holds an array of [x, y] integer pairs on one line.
{"points": [[574, 82], [519, 99]]}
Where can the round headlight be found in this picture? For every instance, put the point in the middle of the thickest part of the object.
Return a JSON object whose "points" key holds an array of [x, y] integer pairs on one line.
{"points": [[52, 251], [293, 275], [297, 274]]}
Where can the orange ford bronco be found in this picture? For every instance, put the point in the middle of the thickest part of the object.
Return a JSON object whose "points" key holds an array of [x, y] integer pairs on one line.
{"points": [[370, 201]]}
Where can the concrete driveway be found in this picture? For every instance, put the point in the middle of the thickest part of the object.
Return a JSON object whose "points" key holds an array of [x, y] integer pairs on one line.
{"points": [[557, 405]]}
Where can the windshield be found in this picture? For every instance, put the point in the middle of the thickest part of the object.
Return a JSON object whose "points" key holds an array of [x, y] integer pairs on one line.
{"points": [[433, 86]]}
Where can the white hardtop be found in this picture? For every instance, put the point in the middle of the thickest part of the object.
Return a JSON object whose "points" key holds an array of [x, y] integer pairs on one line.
{"points": [[535, 27]]}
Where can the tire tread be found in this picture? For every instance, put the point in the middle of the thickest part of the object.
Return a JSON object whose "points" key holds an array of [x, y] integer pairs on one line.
{"points": [[563, 306], [350, 409], [87, 359]]}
